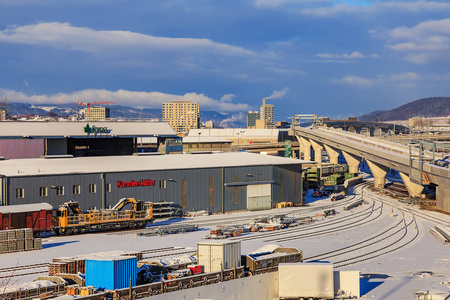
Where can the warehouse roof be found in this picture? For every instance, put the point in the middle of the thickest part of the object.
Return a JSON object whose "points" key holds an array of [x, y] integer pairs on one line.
{"points": [[43, 166], [76, 129], [204, 139], [233, 132]]}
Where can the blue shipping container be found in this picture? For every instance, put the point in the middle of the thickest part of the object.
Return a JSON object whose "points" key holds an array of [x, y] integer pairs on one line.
{"points": [[111, 272]]}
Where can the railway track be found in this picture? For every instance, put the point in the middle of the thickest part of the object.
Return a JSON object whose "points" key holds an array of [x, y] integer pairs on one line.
{"points": [[404, 240], [383, 251], [17, 271], [333, 221], [362, 221]]}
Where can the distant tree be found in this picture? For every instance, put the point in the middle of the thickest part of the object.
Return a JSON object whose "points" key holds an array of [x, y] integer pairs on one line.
{"points": [[418, 122]]}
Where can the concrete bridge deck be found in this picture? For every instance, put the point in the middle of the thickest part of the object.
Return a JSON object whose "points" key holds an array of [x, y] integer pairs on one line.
{"points": [[381, 156]]}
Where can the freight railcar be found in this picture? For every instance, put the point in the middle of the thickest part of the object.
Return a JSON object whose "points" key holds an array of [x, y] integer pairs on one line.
{"points": [[35, 216], [68, 218], [268, 261]]}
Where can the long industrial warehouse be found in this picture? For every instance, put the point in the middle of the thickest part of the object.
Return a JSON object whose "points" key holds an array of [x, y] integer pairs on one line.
{"points": [[216, 182]]}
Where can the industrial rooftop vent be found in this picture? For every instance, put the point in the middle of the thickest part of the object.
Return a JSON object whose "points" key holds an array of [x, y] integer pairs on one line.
{"points": [[58, 156]]}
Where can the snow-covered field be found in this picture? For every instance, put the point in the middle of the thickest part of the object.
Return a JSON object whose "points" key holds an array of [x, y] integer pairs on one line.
{"points": [[402, 257]]}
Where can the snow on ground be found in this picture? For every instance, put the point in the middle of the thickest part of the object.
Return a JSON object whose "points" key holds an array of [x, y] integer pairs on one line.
{"points": [[422, 265]]}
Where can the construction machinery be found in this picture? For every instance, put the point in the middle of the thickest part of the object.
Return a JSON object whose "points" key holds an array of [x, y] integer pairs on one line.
{"points": [[70, 219]]}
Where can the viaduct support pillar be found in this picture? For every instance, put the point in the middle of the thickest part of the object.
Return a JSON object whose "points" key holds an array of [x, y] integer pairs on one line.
{"points": [[305, 148], [352, 161], [333, 153], [443, 194], [414, 189], [317, 151], [379, 173]]}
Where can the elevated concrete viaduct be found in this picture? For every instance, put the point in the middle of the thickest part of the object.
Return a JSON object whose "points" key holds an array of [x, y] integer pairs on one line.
{"points": [[380, 156]]}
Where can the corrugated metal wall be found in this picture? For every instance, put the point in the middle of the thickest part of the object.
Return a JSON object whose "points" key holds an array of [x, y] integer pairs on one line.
{"points": [[197, 187], [31, 187]]}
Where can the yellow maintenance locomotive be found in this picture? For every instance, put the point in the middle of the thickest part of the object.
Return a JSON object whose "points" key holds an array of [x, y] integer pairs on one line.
{"points": [[70, 219]]}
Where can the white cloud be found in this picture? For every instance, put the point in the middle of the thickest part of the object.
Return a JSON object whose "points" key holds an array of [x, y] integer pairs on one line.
{"points": [[356, 81], [124, 97], [227, 98], [377, 7], [401, 80], [66, 36], [274, 3], [234, 118], [353, 55], [278, 94], [408, 76], [425, 42]]}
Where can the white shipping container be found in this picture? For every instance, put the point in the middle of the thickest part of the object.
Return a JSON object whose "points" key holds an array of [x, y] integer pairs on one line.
{"points": [[306, 280], [346, 283], [218, 255]]}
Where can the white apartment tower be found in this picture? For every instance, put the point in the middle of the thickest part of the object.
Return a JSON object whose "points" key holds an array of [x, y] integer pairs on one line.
{"points": [[181, 115], [267, 113]]}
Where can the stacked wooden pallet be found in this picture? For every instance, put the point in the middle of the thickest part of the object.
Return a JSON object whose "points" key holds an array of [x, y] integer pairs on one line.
{"points": [[16, 240]]}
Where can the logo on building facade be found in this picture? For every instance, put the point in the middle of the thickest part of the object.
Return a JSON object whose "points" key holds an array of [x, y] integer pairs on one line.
{"points": [[133, 183], [96, 130]]}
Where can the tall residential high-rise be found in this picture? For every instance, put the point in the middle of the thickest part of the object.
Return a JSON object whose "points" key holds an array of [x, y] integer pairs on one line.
{"points": [[98, 113], [182, 115], [252, 116], [267, 113]]}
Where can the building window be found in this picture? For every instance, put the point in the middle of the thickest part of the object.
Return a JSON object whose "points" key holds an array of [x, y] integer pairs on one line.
{"points": [[20, 193], [162, 184], [60, 190], [76, 189], [43, 191], [92, 188], [108, 187]]}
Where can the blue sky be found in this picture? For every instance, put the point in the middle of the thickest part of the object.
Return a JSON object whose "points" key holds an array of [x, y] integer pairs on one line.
{"points": [[328, 57]]}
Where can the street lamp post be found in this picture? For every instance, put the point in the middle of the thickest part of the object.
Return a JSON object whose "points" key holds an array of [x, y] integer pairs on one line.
{"points": [[199, 140], [239, 133]]}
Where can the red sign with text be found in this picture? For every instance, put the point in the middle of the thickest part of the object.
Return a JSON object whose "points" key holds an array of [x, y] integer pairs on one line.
{"points": [[133, 183]]}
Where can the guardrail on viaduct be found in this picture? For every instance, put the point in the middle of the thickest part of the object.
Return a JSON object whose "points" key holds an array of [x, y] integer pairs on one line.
{"points": [[380, 156]]}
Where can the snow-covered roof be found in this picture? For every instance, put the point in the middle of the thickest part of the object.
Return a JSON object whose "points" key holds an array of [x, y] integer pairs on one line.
{"points": [[25, 208], [204, 139], [233, 132], [76, 129], [77, 165]]}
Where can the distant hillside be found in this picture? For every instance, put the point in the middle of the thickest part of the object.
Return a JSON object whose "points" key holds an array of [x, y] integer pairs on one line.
{"points": [[427, 108]]}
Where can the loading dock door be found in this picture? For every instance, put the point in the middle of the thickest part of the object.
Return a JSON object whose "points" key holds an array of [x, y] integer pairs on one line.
{"points": [[259, 196]]}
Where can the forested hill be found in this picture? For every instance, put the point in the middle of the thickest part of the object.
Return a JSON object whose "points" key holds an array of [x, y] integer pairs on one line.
{"points": [[427, 108]]}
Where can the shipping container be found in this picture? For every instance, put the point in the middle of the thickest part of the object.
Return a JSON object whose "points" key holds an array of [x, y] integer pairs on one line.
{"points": [[347, 284], [111, 273], [314, 280], [218, 255]]}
